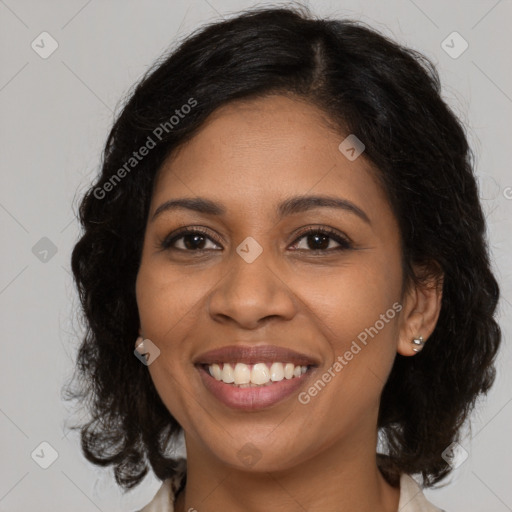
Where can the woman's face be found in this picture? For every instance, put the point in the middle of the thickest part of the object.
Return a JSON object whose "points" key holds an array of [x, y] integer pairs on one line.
{"points": [[252, 277]]}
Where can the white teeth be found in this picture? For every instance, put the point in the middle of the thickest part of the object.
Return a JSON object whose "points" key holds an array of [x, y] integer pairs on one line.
{"points": [[276, 372], [215, 371], [288, 370], [227, 374], [242, 374], [260, 374]]}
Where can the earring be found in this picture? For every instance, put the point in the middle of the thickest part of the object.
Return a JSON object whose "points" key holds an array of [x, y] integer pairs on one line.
{"points": [[139, 344], [418, 344]]}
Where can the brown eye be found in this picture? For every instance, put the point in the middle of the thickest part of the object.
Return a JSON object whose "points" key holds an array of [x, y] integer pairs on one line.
{"points": [[321, 240], [190, 240]]}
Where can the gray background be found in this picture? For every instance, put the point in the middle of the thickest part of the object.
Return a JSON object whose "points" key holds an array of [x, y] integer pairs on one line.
{"points": [[55, 115]]}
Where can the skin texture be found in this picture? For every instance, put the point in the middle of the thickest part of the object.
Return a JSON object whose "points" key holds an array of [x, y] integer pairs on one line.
{"points": [[250, 156]]}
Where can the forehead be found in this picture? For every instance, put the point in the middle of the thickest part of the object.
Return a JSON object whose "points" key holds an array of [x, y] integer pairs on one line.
{"points": [[252, 153]]}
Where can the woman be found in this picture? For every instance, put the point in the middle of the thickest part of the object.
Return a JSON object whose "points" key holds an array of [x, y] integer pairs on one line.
{"points": [[287, 234]]}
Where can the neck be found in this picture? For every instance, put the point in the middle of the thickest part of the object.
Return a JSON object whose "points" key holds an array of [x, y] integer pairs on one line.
{"points": [[342, 478]]}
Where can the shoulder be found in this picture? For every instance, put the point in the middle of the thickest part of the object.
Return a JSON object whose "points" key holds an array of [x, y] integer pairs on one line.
{"points": [[412, 498]]}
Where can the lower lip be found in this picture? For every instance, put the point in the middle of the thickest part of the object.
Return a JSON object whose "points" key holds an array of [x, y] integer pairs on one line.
{"points": [[252, 398]]}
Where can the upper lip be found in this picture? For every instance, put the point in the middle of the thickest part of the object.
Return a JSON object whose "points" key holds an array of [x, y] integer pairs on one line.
{"points": [[255, 354]]}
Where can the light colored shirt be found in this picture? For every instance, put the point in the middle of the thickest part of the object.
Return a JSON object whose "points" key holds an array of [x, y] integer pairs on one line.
{"points": [[412, 498]]}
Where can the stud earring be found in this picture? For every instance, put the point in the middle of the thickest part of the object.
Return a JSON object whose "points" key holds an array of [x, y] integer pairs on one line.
{"points": [[139, 344], [418, 344]]}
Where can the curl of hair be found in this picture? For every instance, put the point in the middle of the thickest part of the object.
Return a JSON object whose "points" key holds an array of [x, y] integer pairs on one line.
{"points": [[366, 84]]}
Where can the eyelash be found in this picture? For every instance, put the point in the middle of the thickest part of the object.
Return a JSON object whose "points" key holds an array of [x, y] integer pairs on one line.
{"points": [[344, 243]]}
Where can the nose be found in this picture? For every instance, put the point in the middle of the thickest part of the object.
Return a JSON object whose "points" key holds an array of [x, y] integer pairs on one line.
{"points": [[251, 294]]}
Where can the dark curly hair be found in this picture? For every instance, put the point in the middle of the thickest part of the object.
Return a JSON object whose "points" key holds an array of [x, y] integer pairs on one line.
{"points": [[389, 97]]}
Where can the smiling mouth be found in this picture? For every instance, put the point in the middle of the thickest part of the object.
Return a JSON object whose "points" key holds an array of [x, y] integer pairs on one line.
{"points": [[254, 377], [251, 397], [260, 374]]}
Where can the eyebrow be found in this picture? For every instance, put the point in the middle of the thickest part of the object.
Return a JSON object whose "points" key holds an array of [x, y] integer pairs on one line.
{"points": [[290, 206]]}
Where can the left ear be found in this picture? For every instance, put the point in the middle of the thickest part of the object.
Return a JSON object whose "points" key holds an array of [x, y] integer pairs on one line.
{"points": [[421, 308]]}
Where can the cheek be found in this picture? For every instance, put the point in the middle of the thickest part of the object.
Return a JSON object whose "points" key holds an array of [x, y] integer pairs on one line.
{"points": [[356, 310], [165, 305], [350, 298], [168, 300]]}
